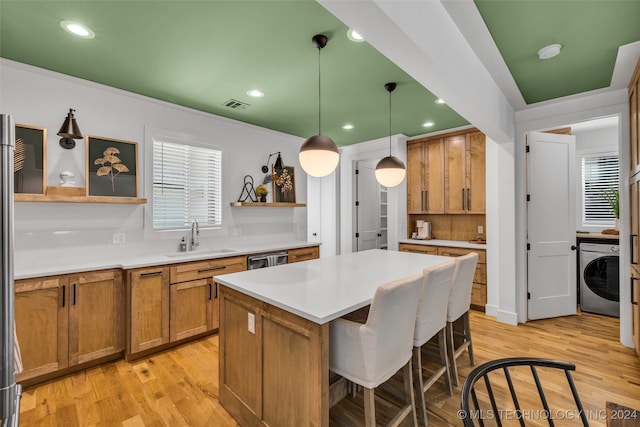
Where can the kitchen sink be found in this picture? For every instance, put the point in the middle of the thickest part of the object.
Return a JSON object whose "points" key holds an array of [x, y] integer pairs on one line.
{"points": [[200, 252]]}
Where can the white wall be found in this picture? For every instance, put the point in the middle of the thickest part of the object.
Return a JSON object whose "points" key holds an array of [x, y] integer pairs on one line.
{"points": [[589, 142], [55, 233]]}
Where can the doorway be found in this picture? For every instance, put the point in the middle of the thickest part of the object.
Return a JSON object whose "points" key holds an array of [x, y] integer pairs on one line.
{"points": [[370, 208]]}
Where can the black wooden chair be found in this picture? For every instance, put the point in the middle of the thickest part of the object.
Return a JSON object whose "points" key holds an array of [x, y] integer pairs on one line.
{"points": [[478, 415]]}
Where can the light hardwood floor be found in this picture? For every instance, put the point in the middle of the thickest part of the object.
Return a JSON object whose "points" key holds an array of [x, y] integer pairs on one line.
{"points": [[179, 387]]}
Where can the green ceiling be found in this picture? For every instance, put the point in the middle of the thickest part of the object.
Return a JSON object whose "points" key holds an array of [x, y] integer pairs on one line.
{"points": [[202, 53], [590, 33]]}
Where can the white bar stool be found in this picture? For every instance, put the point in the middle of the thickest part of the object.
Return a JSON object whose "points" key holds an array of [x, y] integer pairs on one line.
{"points": [[369, 354]]}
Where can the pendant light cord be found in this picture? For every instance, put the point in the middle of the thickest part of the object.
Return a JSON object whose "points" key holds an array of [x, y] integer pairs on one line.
{"points": [[389, 123], [319, 95]]}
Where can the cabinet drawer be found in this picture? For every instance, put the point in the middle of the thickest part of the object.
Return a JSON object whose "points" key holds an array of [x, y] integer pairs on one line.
{"points": [[479, 295], [449, 251], [203, 269], [421, 249], [303, 254]]}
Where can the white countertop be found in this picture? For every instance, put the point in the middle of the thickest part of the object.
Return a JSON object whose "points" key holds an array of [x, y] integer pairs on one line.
{"points": [[450, 243], [147, 260], [324, 289]]}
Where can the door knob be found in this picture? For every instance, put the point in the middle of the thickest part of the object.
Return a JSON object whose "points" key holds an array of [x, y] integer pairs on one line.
{"points": [[574, 247]]}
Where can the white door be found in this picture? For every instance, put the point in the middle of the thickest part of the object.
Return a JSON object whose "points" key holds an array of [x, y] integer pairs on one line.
{"points": [[551, 225], [367, 207]]}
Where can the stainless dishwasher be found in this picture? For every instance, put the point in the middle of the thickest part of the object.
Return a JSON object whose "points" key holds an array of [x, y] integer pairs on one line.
{"points": [[266, 260]]}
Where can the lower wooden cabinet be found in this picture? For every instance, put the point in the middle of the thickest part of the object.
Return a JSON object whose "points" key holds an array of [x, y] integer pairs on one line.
{"points": [[191, 308], [635, 309], [303, 254], [147, 308], [479, 289], [65, 321]]}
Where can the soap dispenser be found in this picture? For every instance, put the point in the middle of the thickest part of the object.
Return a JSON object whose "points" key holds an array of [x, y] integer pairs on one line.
{"points": [[183, 245]]}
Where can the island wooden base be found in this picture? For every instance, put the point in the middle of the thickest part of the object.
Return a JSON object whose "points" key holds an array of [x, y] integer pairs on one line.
{"points": [[277, 376]]}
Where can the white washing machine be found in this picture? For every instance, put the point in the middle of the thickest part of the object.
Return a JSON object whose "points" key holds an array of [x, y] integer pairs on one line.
{"points": [[600, 278]]}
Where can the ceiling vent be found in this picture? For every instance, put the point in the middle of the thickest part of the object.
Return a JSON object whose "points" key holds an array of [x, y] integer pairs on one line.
{"points": [[235, 104]]}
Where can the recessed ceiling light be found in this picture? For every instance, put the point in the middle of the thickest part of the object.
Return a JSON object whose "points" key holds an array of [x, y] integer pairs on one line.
{"points": [[354, 36], [549, 51], [78, 30], [428, 124], [255, 93], [439, 101], [347, 127]]}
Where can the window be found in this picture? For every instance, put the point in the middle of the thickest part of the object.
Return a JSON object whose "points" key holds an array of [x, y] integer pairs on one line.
{"points": [[599, 173], [186, 185]]}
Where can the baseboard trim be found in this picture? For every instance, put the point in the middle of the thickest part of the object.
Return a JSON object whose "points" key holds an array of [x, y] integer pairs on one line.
{"points": [[507, 317], [491, 310]]}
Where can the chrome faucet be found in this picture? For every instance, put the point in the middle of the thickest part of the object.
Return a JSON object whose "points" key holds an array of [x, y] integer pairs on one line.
{"points": [[194, 242]]}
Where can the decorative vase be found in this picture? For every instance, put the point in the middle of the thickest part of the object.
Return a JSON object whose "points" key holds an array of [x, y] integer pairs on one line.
{"points": [[263, 198]]}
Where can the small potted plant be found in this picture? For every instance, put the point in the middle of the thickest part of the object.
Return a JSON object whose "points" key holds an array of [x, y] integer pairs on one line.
{"points": [[261, 192], [612, 196]]}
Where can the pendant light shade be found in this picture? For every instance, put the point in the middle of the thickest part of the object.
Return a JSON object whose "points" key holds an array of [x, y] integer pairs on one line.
{"points": [[69, 131], [319, 155], [390, 171]]}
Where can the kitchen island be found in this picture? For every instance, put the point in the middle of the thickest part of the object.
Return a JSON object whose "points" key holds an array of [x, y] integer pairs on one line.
{"points": [[274, 331]]}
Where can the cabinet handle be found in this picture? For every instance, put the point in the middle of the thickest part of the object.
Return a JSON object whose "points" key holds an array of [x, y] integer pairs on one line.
{"points": [[210, 291], [220, 267], [64, 294], [154, 273], [302, 254], [426, 198], [216, 297], [468, 199], [74, 294], [632, 301], [422, 200], [463, 199], [632, 254]]}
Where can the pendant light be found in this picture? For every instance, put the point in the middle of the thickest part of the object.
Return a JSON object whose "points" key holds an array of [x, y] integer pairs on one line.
{"points": [[319, 155], [390, 171]]}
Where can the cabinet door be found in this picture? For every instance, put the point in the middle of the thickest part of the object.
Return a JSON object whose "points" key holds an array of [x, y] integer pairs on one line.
{"points": [[415, 174], [148, 307], [634, 220], [635, 310], [96, 315], [434, 177], [475, 173], [455, 161], [191, 308], [41, 315], [634, 122]]}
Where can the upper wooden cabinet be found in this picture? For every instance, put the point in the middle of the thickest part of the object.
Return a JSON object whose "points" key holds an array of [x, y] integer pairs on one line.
{"points": [[446, 174], [634, 121], [465, 173], [68, 320], [425, 177]]}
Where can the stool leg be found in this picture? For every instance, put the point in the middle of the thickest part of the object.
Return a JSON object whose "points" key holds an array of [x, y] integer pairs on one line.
{"points": [[467, 336], [444, 359], [452, 354], [369, 407], [418, 385], [408, 389]]}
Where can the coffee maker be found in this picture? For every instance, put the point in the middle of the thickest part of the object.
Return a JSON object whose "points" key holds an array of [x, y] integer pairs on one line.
{"points": [[424, 230]]}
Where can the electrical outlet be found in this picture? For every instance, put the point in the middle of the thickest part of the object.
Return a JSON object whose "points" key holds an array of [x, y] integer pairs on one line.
{"points": [[480, 229], [119, 238], [251, 322]]}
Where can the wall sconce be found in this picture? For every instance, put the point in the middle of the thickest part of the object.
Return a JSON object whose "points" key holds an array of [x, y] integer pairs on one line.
{"points": [[69, 131], [277, 165]]}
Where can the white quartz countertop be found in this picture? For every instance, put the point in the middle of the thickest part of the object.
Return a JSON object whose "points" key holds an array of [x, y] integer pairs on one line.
{"points": [[324, 289], [450, 243], [147, 260]]}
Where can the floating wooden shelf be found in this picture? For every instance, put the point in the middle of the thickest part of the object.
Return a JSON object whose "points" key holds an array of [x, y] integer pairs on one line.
{"points": [[41, 198], [269, 205]]}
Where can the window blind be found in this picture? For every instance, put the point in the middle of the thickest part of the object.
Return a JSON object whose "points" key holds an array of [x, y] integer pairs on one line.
{"points": [[186, 185], [599, 173]]}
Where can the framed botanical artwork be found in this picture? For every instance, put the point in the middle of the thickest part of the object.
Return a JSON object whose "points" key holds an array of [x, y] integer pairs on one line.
{"points": [[112, 167], [284, 185], [30, 160]]}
